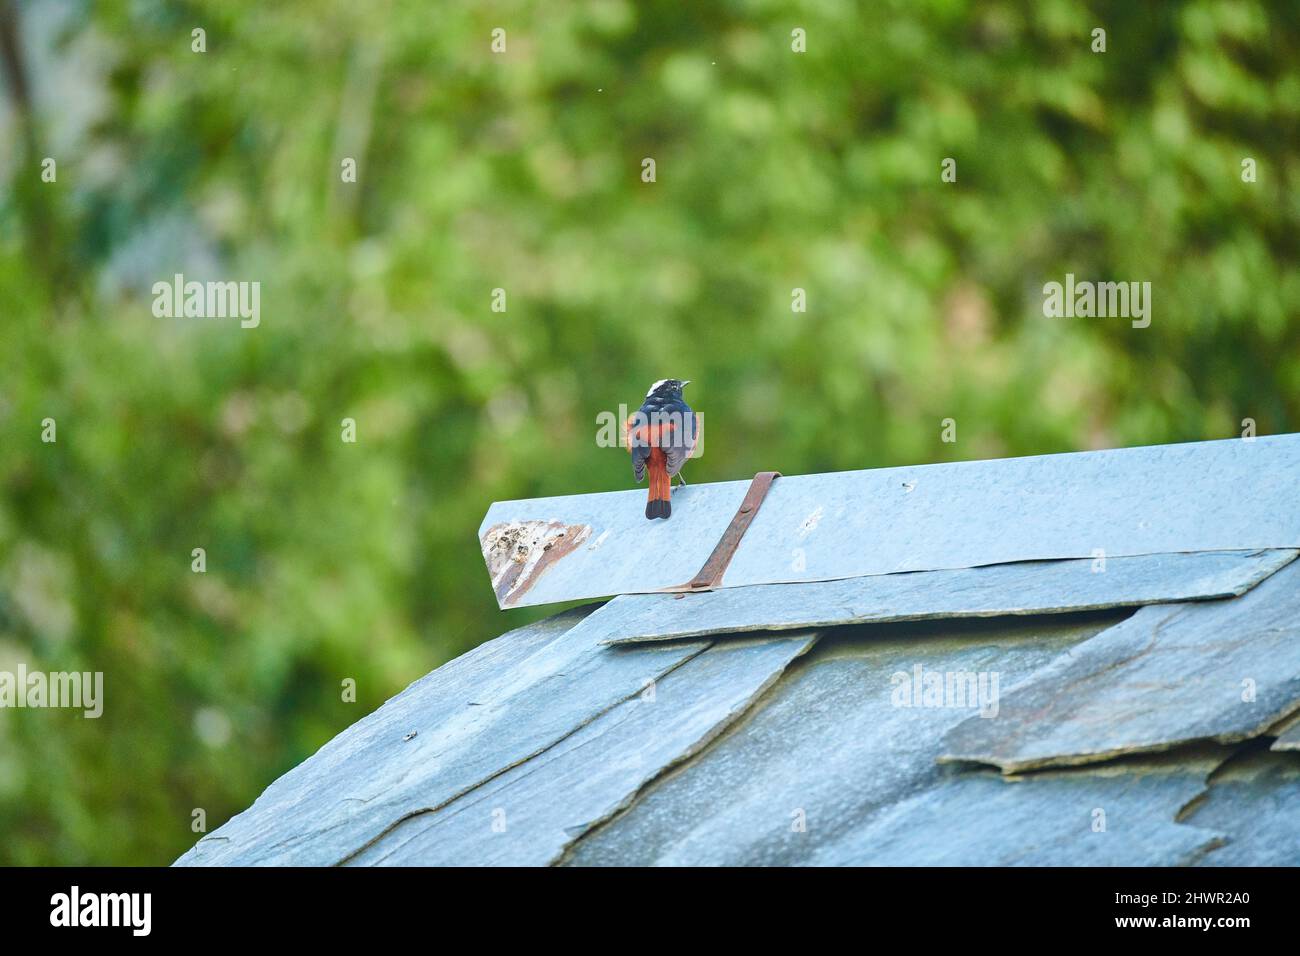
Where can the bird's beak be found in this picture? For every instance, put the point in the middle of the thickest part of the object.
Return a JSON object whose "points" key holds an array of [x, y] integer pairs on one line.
{"points": [[684, 384]]}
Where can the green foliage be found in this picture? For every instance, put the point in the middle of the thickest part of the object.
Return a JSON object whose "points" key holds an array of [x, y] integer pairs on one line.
{"points": [[522, 170]]}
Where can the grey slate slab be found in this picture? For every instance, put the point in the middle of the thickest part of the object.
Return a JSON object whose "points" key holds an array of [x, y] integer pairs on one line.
{"points": [[1116, 815], [528, 815], [1230, 495], [1219, 670], [1289, 739], [835, 742], [1287, 732], [447, 733], [1255, 802], [1035, 587]]}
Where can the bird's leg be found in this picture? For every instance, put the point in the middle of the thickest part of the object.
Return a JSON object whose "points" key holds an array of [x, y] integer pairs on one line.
{"points": [[681, 479]]}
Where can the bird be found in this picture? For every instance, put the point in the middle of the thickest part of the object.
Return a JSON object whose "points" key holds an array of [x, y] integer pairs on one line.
{"points": [[661, 435]]}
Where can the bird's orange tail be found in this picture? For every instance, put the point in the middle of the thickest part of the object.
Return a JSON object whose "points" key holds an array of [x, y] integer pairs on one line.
{"points": [[659, 504]]}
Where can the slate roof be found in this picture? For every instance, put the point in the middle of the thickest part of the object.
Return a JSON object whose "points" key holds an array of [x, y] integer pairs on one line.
{"points": [[1069, 660]]}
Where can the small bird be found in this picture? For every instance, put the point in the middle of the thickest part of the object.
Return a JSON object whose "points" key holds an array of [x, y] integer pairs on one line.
{"points": [[661, 435]]}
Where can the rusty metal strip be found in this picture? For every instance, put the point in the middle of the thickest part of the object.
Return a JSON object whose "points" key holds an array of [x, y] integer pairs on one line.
{"points": [[715, 567]]}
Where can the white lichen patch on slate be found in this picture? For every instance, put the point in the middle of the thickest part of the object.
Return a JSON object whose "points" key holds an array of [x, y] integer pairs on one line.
{"points": [[519, 553]]}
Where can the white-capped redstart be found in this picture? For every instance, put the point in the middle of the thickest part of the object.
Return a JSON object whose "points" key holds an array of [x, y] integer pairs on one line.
{"points": [[661, 435]]}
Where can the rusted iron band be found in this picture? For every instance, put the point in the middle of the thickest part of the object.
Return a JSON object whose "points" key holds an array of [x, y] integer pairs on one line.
{"points": [[714, 568]]}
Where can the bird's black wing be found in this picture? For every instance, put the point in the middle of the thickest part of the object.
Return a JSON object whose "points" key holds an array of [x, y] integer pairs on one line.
{"points": [[680, 442], [637, 444]]}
